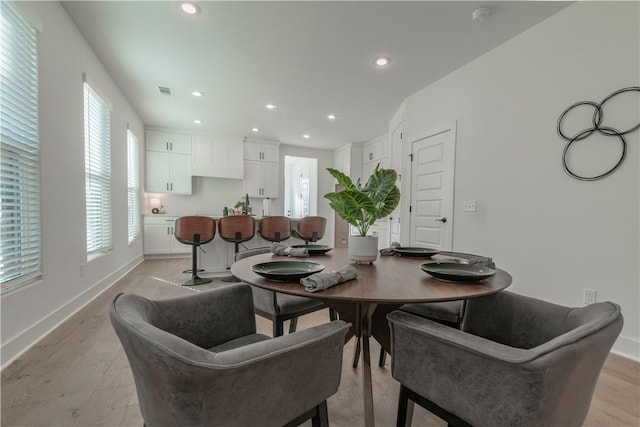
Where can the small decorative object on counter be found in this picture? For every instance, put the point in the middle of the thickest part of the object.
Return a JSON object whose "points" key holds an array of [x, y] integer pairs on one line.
{"points": [[225, 211]]}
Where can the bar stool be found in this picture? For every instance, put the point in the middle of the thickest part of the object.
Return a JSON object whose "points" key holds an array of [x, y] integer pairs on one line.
{"points": [[275, 228], [310, 228], [236, 229], [195, 231]]}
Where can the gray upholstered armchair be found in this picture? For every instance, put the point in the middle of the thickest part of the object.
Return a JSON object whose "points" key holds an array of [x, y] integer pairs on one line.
{"points": [[198, 361], [517, 361]]}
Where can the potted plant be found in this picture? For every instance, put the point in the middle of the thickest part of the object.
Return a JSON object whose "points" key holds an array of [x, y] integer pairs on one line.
{"points": [[361, 206]]}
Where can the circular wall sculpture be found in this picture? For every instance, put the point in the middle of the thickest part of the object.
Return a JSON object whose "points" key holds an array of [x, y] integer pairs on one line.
{"points": [[596, 126]]}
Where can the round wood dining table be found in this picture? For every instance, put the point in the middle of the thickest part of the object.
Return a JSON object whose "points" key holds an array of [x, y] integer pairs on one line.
{"points": [[381, 287]]}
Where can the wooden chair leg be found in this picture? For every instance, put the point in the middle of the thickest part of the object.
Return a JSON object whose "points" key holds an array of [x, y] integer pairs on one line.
{"points": [[321, 419], [356, 353], [293, 324]]}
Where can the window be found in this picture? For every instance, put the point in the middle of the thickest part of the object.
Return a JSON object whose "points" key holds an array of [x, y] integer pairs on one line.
{"points": [[19, 151], [133, 190], [97, 164]]}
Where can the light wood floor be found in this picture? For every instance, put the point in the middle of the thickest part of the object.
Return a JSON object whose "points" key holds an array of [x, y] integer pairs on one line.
{"points": [[79, 376]]}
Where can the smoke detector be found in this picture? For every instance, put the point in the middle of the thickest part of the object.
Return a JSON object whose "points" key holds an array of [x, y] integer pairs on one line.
{"points": [[481, 14]]}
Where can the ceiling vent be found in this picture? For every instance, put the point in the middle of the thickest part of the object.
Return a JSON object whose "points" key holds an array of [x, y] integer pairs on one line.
{"points": [[165, 90]]}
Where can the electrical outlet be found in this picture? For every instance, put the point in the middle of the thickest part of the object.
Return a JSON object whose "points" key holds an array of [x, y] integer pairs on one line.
{"points": [[469, 206], [589, 296]]}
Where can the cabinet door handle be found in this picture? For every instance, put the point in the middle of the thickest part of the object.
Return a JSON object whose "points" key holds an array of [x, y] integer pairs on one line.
{"points": [[171, 145], [167, 186], [172, 186], [167, 144], [370, 156]]}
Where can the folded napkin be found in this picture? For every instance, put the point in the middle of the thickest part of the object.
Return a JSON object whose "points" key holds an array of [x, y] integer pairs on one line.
{"points": [[320, 281], [482, 261], [280, 249], [390, 249]]}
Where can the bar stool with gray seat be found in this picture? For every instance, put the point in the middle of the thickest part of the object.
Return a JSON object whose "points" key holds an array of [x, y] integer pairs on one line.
{"points": [[236, 229], [279, 307], [195, 230], [310, 229]]}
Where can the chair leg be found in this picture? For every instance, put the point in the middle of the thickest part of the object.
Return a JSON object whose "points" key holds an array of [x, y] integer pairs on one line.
{"points": [[405, 408], [383, 358], [278, 327], [356, 353], [321, 419], [293, 324], [333, 314]]}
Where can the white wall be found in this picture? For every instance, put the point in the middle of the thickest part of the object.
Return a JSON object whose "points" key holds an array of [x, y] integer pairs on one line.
{"points": [[30, 312], [555, 235]]}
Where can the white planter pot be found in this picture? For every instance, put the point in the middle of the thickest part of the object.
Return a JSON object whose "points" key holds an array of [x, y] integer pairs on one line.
{"points": [[363, 249]]}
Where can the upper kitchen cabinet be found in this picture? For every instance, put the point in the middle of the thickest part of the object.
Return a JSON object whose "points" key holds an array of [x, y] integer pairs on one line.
{"points": [[218, 157], [374, 152], [168, 173], [348, 160], [262, 168], [169, 142], [261, 179], [262, 151], [168, 163]]}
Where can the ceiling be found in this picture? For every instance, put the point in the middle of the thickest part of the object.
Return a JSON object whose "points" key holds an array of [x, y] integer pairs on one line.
{"points": [[308, 58]]}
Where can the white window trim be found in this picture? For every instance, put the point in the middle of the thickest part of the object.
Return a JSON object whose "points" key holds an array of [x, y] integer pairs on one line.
{"points": [[97, 124], [20, 215]]}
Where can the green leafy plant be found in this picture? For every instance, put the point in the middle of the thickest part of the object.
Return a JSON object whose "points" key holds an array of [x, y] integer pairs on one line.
{"points": [[362, 206]]}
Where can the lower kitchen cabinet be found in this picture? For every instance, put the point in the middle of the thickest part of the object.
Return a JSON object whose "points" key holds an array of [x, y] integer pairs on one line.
{"points": [[159, 236]]}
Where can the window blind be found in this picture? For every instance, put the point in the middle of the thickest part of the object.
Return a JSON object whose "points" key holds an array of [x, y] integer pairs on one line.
{"points": [[20, 230], [133, 193], [97, 161]]}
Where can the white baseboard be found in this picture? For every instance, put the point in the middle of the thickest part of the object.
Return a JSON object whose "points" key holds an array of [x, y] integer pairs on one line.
{"points": [[19, 344], [627, 347]]}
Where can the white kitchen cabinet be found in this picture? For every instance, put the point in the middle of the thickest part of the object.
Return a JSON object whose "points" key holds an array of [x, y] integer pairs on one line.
{"points": [[348, 160], [168, 172], [376, 149], [369, 167], [168, 142], [217, 157], [261, 151], [158, 235], [374, 152], [261, 179]]}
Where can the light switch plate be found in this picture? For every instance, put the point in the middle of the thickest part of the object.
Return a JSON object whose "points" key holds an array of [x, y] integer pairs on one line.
{"points": [[469, 206]]}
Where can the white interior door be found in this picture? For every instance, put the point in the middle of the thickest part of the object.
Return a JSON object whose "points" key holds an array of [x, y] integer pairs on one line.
{"points": [[432, 174]]}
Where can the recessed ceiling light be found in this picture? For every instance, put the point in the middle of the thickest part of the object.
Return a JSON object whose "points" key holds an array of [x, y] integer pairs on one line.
{"points": [[197, 121], [190, 8], [255, 130], [382, 61], [271, 106], [197, 93], [331, 116], [306, 136]]}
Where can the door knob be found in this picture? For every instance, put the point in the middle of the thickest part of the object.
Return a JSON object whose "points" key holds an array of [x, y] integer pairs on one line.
{"points": [[441, 219]]}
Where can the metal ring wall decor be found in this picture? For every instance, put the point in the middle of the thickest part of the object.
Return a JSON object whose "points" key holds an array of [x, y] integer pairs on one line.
{"points": [[598, 115]]}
